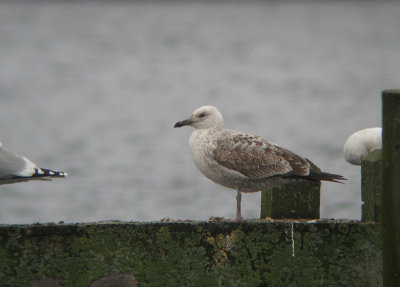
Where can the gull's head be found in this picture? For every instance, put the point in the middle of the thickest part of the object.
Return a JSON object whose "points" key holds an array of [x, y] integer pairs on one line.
{"points": [[361, 143], [203, 118]]}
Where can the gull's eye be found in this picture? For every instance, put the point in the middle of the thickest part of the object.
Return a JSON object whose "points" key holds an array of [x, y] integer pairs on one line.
{"points": [[202, 115]]}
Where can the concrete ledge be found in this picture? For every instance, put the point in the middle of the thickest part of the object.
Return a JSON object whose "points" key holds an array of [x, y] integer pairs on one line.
{"points": [[252, 253]]}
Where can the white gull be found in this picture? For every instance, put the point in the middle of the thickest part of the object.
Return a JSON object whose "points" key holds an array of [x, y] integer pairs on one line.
{"points": [[17, 168], [361, 143], [244, 162]]}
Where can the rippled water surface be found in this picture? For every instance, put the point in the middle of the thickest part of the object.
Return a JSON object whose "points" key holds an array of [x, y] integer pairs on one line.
{"points": [[94, 88]]}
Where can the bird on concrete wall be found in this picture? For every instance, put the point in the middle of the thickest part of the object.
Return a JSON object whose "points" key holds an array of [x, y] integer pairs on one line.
{"points": [[241, 161]]}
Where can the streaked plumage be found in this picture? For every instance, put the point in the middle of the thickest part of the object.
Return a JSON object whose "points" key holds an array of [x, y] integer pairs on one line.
{"points": [[361, 143], [243, 161], [16, 168]]}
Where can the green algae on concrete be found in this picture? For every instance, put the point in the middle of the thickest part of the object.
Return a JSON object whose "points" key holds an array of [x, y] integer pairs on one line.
{"points": [[255, 253]]}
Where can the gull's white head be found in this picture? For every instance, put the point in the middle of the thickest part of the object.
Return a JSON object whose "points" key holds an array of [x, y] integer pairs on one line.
{"points": [[361, 143], [203, 118]]}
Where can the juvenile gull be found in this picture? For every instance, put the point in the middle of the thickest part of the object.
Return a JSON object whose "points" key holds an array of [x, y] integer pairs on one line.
{"points": [[17, 168], [241, 161], [361, 143]]}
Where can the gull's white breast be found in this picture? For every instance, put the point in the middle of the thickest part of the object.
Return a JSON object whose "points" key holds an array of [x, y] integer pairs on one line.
{"points": [[202, 145]]}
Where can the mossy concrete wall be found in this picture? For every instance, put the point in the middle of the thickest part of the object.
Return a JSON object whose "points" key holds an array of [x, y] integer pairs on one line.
{"points": [[255, 253]]}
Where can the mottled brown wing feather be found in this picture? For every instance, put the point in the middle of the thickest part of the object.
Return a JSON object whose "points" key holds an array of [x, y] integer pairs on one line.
{"points": [[300, 165], [256, 157]]}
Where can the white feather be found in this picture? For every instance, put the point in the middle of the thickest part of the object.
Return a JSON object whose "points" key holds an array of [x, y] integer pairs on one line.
{"points": [[29, 168]]}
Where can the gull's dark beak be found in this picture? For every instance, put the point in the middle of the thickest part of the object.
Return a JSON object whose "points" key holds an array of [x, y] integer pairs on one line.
{"points": [[183, 123]]}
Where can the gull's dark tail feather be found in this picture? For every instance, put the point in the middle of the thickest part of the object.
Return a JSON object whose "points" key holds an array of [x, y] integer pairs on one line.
{"points": [[318, 176], [43, 172]]}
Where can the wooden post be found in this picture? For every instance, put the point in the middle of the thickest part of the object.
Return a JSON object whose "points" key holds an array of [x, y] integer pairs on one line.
{"points": [[391, 188], [371, 186], [294, 201]]}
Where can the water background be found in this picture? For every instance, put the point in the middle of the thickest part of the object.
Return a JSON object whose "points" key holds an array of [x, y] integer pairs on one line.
{"points": [[95, 87]]}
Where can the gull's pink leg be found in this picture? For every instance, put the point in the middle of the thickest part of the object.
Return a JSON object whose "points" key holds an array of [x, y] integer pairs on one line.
{"points": [[238, 206]]}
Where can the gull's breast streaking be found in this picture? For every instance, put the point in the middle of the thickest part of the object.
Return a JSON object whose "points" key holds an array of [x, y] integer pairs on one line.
{"points": [[17, 168], [241, 161]]}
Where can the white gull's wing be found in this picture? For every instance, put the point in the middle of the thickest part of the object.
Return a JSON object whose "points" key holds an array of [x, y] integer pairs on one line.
{"points": [[17, 168], [13, 164], [256, 157]]}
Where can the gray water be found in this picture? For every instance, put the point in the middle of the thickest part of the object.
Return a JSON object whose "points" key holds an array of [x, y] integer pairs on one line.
{"points": [[94, 88]]}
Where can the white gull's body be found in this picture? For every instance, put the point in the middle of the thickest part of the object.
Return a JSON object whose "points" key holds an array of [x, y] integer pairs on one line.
{"points": [[242, 161], [361, 143], [16, 168]]}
